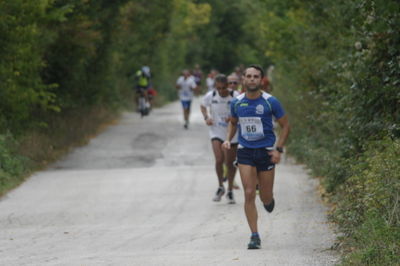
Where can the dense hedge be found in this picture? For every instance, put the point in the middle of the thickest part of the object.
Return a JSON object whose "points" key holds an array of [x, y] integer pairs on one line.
{"points": [[338, 72]]}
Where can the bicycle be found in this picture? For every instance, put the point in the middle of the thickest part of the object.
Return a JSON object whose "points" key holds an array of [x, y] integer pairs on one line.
{"points": [[143, 105]]}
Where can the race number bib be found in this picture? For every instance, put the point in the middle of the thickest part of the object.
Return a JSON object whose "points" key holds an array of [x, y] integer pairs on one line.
{"points": [[221, 119], [251, 128]]}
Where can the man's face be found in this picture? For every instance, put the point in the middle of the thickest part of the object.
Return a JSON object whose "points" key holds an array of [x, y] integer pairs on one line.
{"points": [[233, 83], [222, 88], [186, 74], [252, 79]]}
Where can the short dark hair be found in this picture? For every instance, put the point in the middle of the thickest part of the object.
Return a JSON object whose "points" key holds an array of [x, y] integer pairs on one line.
{"points": [[258, 67], [221, 78]]}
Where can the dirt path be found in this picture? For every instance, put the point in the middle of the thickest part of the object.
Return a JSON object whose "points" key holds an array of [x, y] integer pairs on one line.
{"points": [[140, 194]]}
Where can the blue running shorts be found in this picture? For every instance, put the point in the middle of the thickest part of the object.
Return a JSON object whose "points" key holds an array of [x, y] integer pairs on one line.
{"points": [[186, 104], [258, 158]]}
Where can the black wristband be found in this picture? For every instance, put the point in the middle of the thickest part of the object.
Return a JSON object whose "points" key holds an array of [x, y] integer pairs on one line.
{"points": [[280, 149], [206, 117]]}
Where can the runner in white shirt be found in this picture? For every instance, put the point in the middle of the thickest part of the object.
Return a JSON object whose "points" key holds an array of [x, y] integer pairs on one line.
{"points": [[186, 85], [210, 81], [216, 111]]}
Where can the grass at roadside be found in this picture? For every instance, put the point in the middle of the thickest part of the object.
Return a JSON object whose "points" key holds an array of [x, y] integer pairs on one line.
{"points": [[367, 203], [36, 148]]}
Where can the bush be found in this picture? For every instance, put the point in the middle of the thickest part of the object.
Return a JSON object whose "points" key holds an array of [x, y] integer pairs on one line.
{"points": [[12, 166], [369, 205]]}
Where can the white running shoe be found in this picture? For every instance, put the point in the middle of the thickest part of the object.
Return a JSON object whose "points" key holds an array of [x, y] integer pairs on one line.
{"points": [[230, 198], [218, 195]]}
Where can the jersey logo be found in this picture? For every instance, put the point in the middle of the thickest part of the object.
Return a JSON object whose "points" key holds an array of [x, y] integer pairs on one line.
{"points": [[259, 109], [244, 104]]}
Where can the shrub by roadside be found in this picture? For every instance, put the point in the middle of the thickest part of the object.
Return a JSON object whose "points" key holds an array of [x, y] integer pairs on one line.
{"points": [[12, 165], [39, 147], [368, 209]]}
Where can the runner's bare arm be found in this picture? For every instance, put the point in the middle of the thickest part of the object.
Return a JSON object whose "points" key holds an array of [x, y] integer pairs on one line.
{"points": [[232, 126], [285, 128], [204, 111]]}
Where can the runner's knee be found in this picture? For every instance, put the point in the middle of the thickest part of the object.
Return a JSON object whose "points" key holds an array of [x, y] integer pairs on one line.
{"points": [[249, 194], [219, 159]]}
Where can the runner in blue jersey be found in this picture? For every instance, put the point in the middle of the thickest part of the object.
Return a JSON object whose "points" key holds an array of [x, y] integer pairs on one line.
{"points": [[258, 152]]}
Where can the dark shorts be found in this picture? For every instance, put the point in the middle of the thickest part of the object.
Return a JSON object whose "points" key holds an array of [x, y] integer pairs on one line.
{"points": [[186, 104], [140, 89], [258, 158]]}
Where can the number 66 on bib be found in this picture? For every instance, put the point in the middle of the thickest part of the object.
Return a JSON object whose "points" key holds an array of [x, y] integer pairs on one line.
{"points": [[251, 128]]}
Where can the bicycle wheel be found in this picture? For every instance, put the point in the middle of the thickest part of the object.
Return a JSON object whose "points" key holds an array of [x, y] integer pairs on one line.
{"points": [[142, 106]]}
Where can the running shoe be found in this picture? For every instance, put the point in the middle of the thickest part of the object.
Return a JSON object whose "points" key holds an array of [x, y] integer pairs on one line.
{"points": [[270, 207], [255, 243], [235, 163], [230, 198], [235, 185], [218, 195]]}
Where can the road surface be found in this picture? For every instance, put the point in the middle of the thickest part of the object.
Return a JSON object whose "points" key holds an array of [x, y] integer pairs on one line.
{"points": [[140, 194]]}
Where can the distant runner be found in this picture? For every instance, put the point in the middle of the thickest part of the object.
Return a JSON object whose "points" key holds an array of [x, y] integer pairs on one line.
{"points": [[186, 85], [198, 76], [216, 111], [253, 112], [234, 82], [210, 81]]}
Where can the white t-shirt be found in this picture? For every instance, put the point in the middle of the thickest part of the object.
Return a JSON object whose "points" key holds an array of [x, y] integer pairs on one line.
{"points": [[210, 83], [220, 111], [186, 88]]}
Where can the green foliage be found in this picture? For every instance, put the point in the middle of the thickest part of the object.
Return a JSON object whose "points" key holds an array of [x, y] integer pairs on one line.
{"points": [[11, 164], [376, 243], [22, 90], [373, 187], [338, 76], [368, 210], [62, 57]]}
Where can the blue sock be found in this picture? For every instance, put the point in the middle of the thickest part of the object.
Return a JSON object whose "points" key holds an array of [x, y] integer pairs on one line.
{"points": [[255, 235]]}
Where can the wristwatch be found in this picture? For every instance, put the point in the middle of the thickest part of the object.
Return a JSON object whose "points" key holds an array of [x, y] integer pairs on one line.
{"points": [[280, 149]]}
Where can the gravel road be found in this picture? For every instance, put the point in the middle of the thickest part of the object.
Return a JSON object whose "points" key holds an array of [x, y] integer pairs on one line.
{"points": [[140, 194]]}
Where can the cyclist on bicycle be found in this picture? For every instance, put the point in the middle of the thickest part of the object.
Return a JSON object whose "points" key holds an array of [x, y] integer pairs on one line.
{"points": [[143, 83]]}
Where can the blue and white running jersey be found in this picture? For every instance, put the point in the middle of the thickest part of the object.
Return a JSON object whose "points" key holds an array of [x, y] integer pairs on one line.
{"points": [[255, 119]]}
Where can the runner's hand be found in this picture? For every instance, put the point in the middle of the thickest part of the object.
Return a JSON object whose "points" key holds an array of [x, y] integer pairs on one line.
{"points": [[275, 156], [209, 122], [226, 145]]}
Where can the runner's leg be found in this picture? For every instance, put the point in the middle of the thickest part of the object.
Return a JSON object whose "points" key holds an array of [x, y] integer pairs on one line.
{"points": [[248, 175], [219, 160], [266, 181], [186, 112], [230, 156]]}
